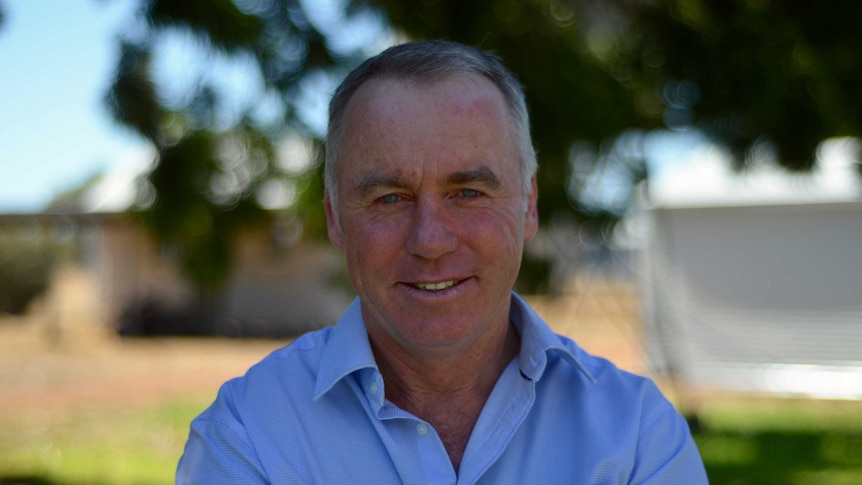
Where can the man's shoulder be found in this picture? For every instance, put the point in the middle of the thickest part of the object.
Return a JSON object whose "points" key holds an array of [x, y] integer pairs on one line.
{"points": [[286, 368], [305, 350], [605, 375], [568, 359]]}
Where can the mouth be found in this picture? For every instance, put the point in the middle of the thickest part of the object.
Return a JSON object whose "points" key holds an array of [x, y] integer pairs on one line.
{"points": [[442, 285]]}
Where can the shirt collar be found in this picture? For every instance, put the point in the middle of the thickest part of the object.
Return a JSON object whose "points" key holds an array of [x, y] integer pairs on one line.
{"points": [[538, 342], [348, 349]]}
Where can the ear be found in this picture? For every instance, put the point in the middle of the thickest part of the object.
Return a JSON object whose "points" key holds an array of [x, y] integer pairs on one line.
{"points": [[531, 218], [333, 225]]}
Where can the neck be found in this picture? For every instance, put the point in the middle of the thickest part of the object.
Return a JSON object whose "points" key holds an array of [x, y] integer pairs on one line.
{"points": [[415, 376], [449, 392]]}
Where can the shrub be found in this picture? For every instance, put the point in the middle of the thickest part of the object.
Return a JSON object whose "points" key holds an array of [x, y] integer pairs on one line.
{"points": [[26, 261]]}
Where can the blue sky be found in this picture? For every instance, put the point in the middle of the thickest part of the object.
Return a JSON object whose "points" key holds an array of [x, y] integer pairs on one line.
{"points": [[56, 60]]}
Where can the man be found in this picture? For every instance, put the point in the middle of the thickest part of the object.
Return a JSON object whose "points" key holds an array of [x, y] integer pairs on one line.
{"points": [[438, 373]]}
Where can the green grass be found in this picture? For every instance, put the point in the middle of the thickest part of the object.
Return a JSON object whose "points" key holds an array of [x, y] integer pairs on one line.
{"points": [[750, 441], [782, 441], [139, 445]]}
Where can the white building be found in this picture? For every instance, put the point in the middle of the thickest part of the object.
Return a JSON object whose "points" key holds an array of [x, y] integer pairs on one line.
{"points": [[753, 281]]}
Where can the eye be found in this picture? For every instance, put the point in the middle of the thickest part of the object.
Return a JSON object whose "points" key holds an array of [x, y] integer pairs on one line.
{"points": [[390, 198], [469, 193]]}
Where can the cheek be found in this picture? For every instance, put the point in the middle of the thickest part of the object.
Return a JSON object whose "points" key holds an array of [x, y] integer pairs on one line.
{"points": [[372, 243], [501, 229], [364, 266]]}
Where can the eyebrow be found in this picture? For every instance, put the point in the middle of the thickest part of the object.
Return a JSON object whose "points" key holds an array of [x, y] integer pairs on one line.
{"points": [[374, 180], [482, 175]]}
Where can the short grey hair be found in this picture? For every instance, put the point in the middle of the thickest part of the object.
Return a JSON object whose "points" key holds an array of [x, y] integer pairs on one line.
{"points": [[429, 62]]}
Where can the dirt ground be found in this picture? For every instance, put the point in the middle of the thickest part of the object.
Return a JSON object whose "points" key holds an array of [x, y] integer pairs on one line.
{"points": [[79, 364], [98, 369]]}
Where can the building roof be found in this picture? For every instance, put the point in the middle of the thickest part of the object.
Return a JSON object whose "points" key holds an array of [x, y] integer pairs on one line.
{"points": [[707, 179]]}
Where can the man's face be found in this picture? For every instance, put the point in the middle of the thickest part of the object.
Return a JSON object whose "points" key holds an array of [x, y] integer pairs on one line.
{"points": [[432, 212]]}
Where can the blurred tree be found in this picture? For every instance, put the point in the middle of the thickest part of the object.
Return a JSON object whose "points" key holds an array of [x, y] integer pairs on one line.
{"points": [[218, 150], [784, 74], [553, 47], [760, 77], [73, 200], [27, 257]]}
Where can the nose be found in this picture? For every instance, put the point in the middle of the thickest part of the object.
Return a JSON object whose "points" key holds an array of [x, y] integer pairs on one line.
{"points": [[430, 232]]}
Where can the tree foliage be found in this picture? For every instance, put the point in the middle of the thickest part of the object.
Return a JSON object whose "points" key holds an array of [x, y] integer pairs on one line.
{"points": [[205, 186], [785, 73], [749, 74], [756, 76], [27, 259]]}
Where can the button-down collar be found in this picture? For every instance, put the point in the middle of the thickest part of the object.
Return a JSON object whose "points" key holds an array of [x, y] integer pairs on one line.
{"points": [[349, 349]]}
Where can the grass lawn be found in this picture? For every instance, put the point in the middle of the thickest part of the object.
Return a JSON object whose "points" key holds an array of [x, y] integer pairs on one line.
{"points": [[781, 441], [135, 446], [743, 441]]}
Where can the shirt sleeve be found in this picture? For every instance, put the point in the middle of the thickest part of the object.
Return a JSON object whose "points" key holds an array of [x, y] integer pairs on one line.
{"points": [[666, 452], [219, 451]]}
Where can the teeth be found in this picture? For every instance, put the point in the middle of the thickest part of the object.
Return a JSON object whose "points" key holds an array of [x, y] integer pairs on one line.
{"points": [[435, 286]]}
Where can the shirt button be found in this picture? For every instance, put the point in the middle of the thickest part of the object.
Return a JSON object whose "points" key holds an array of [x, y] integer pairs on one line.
{"points": [[373, 388], [422, 429]]}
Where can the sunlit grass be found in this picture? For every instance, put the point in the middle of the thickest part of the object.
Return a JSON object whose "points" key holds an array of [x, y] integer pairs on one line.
{"points": [[139, 445], [742, 441], [781, 414], [781, 441]]}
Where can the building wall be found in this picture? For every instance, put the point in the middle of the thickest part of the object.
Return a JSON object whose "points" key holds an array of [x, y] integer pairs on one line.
{"points": [[754, 287], [275, 290], [132, 269]]}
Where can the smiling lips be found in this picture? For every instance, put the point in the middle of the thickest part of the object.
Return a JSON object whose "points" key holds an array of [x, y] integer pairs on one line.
{"points": [[435, 286]]}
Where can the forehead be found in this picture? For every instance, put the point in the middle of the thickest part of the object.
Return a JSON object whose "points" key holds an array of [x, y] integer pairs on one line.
{"points": [[406, 124], [458, 90]]}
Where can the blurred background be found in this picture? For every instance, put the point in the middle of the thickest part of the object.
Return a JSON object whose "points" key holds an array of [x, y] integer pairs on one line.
{"points": [[161, 225]]}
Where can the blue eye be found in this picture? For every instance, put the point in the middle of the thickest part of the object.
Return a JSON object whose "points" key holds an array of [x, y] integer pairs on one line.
{"points": [[470, 193], [390, 198]]}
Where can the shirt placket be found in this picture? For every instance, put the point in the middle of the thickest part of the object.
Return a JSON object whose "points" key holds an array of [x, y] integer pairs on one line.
{"points": [[505, 411], [414, 447]]}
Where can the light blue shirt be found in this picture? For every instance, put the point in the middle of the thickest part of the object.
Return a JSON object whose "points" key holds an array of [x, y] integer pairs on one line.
{"points": [[315, 412]]}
